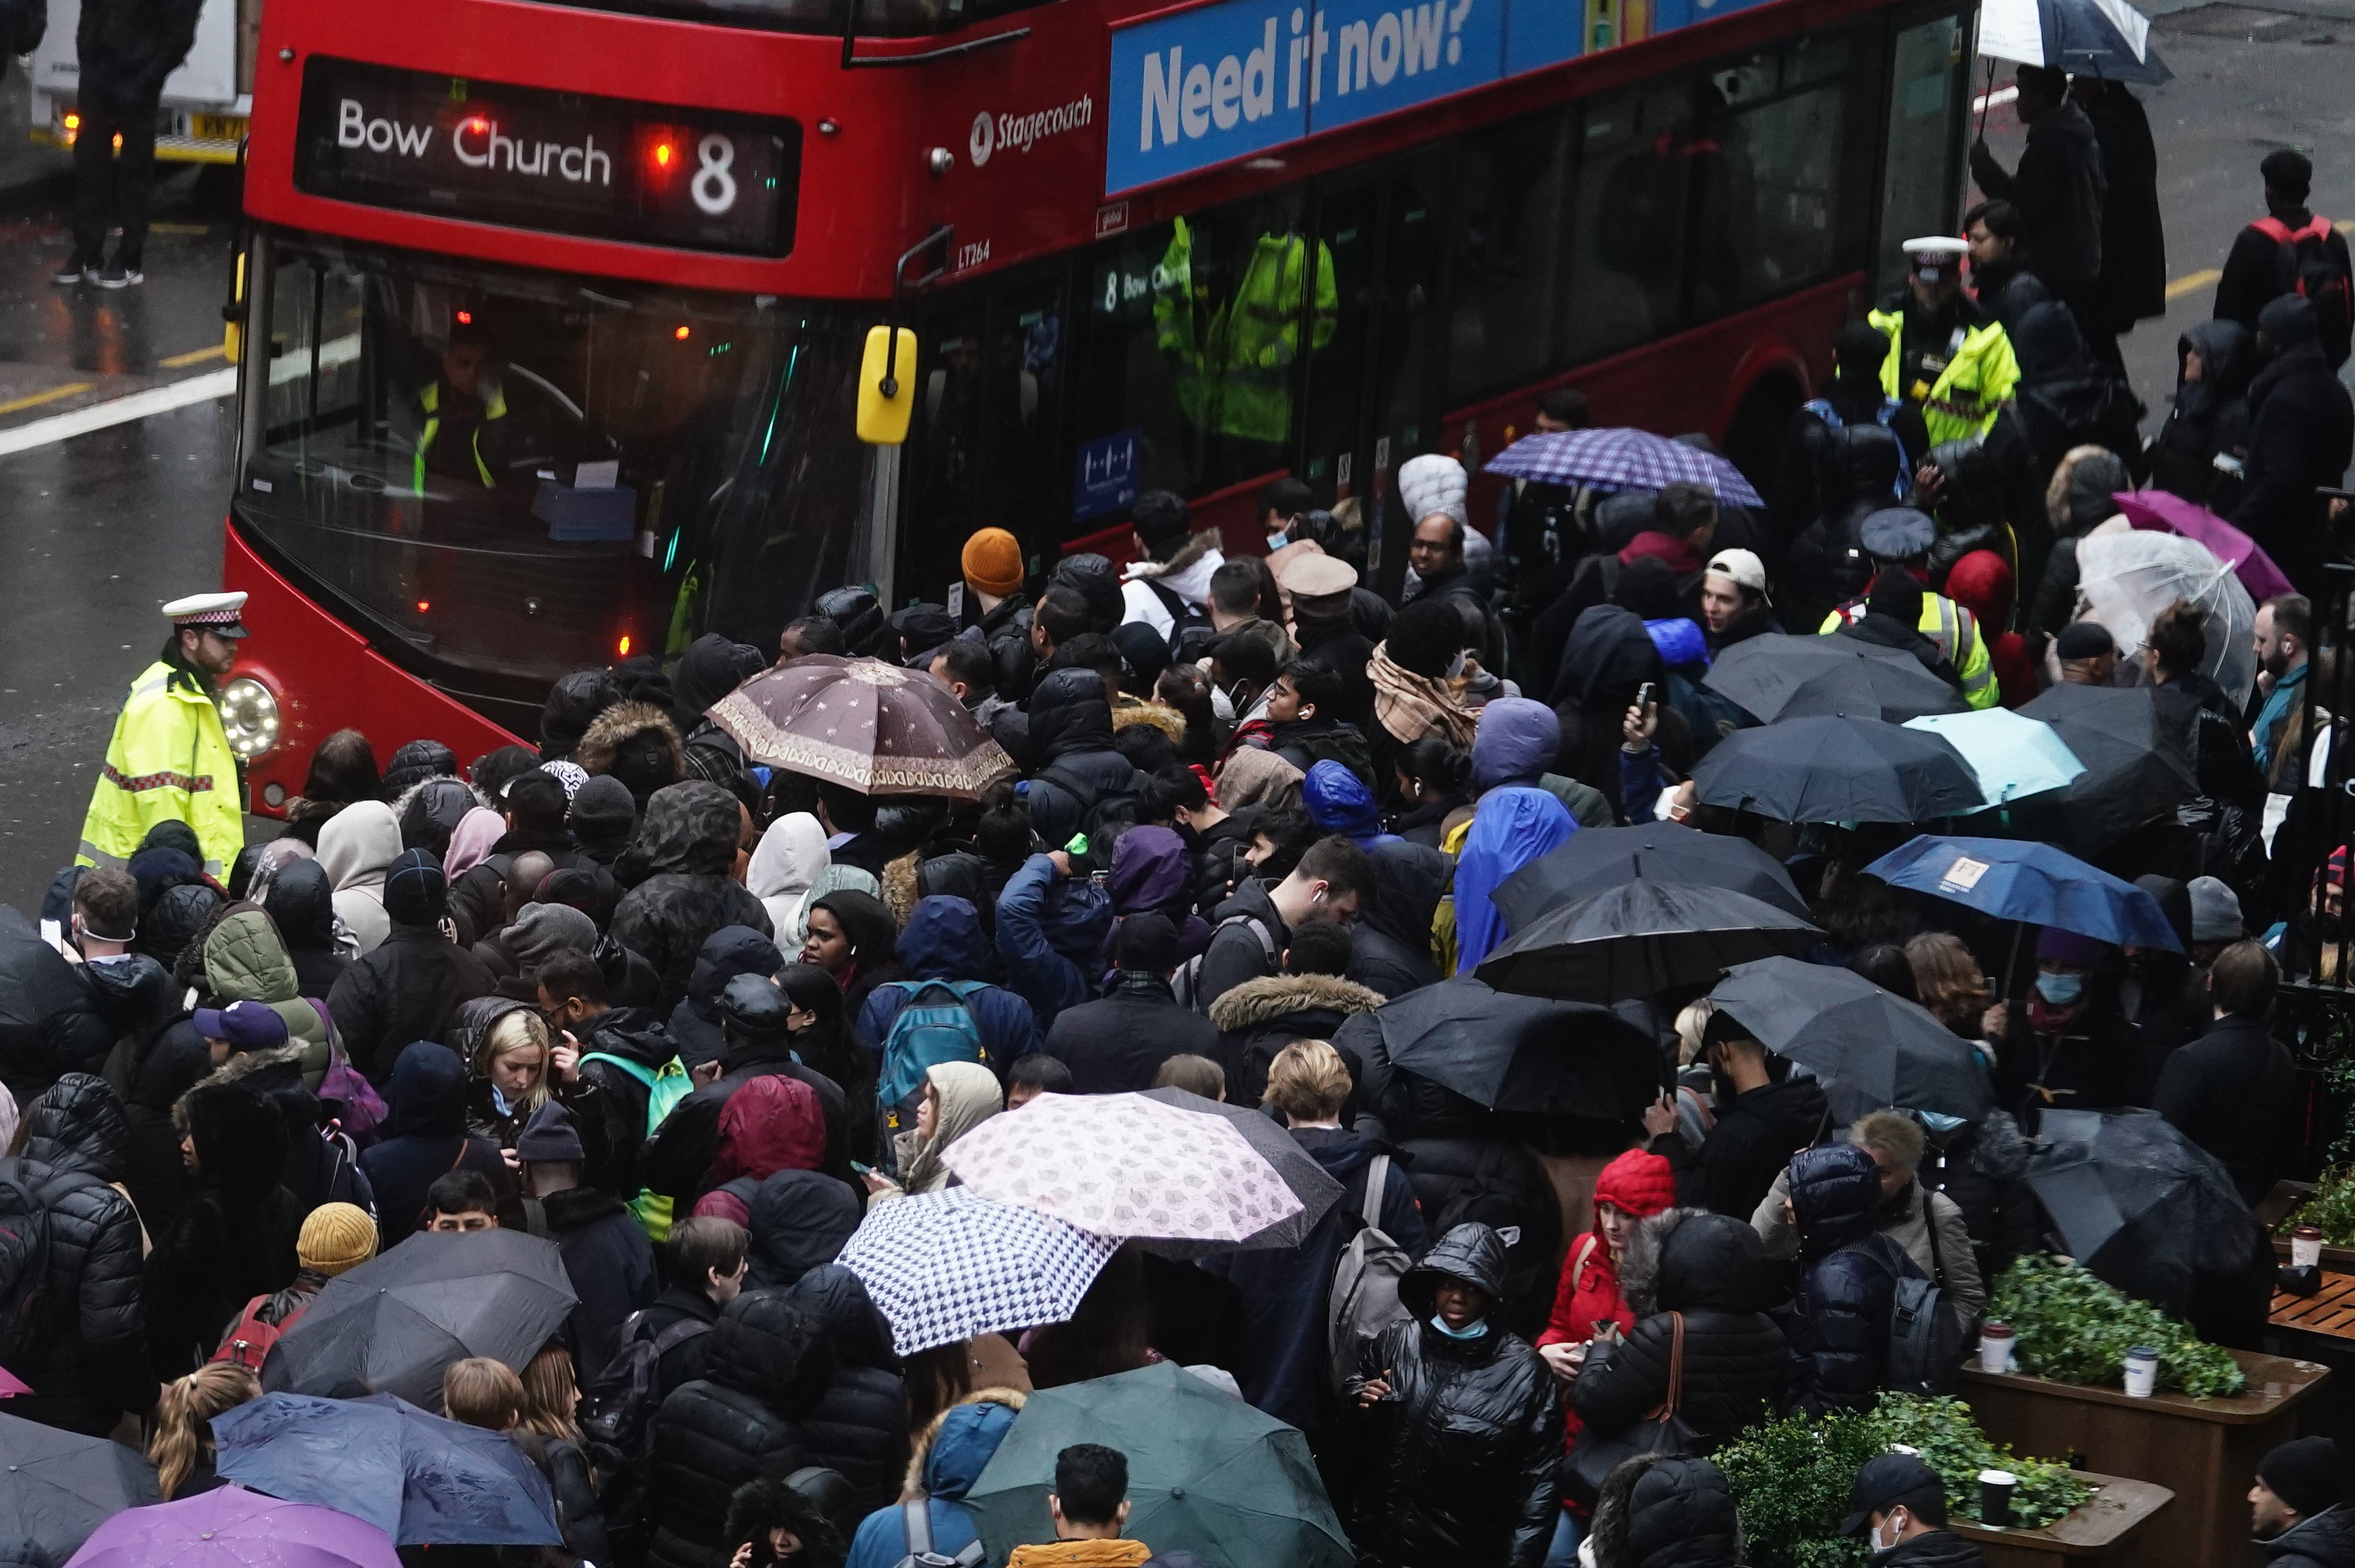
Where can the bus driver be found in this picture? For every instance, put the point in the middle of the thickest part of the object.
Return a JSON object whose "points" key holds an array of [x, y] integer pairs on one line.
{"points": [[462, 434]]}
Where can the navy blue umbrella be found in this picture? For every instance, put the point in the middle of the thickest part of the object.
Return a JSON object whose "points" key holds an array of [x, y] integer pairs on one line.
{"points": [[2033, 884], [422, 1480]]}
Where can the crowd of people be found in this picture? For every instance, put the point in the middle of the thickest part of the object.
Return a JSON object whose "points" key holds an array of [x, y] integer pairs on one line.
{"points": [[694, 1017]]}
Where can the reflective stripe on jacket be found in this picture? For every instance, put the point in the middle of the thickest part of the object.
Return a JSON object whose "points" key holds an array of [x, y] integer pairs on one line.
{"points": [[1955, 632], [1968, 392], [169, 761], [495, 407]]}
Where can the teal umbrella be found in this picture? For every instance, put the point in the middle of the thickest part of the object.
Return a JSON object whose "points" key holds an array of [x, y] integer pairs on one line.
{"points": [[2009, 756], [1207, 1472]]}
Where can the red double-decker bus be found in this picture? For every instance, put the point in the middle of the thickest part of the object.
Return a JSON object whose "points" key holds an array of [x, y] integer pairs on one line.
{"points": [[553, 313]]}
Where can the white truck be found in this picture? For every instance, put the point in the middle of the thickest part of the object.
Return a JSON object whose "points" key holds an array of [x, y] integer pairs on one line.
{"points": [[206, 103]]}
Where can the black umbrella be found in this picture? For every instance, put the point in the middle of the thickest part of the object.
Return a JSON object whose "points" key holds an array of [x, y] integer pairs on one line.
{"points": [[1640, 938], [1871, 1047], [1522, 1053], [59, 1486], [1779, 676], [2135, 744], [1595, 860], [395, 1323], [2138, 1202], [1309, 1182], [1839, 769]]}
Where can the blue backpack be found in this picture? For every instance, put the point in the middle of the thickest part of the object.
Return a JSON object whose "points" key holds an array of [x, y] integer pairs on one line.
{"points": [[934, 1025]]}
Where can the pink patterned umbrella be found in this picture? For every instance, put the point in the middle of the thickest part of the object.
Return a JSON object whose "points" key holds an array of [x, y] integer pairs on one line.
{"points": [[1122, 1165], [2160, 511]]}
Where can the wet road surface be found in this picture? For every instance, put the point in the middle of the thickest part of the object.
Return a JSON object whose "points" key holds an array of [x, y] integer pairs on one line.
{"points": [[104, 526]]}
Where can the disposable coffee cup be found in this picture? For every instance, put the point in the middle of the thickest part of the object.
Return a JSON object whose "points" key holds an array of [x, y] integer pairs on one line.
{"points": [[1995, 1347], [1994, 1496], [2306, 1247], [2142, 1372]]}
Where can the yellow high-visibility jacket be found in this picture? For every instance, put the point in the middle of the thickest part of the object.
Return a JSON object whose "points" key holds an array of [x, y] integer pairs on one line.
{"points": [[1955, 632], [169, 761], [1977, 379]]}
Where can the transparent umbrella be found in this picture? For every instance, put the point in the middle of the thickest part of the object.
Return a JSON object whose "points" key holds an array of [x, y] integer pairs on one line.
{"points": [[2130, 577]]}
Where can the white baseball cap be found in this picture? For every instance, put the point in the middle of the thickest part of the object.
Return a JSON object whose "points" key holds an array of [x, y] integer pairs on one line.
{"points": [[1743, 565]]}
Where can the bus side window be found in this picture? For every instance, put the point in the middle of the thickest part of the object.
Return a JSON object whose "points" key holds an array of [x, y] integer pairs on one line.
{"points": [[1781, 145], [1508, 256], [1627, 275]]}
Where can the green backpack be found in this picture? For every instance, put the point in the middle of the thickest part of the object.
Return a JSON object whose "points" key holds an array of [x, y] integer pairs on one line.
{"points": [[666, 1086]]}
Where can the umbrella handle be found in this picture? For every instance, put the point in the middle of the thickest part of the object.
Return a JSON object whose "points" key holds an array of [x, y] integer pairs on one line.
{"points": [[1986, 93], [2019, 931]]}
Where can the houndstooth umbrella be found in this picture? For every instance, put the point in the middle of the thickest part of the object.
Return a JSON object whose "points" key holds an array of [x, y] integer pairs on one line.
{"points": [[867, 723], [943, 1266], [1621, 460], [1122, 1165]]}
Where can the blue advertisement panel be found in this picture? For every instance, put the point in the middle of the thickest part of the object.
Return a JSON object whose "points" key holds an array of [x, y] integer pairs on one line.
{"points": [[1103, 475], [1376, 57], [1202, 87], [1543, 34]]}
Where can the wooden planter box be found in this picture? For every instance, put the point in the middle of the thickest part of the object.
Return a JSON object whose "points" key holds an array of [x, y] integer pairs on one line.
{"points": [[2095, 1528], [2204, 1451], [2277, 1207]]}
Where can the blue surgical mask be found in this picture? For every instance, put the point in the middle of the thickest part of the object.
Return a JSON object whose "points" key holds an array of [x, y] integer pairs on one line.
{"points": [[1471, 1330], [1277, 541], [2060, 989]]}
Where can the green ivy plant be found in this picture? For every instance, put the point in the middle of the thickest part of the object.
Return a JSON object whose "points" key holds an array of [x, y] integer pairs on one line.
{"points": [[2070, 1327], [1790, 1479], [2330, 1208]]}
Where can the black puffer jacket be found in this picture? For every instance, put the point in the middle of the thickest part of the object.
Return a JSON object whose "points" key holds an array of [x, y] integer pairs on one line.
{"points": [[800, 1221], [686, 848], [49, 1025], [1074, 764], [1469, 1440], [729, 951], [2325, 1540], [1839, 1321], [1669, 1513], [859, 1427], [1712, 1270], [93, 1362], [768, 1364], [1466, 1169]]}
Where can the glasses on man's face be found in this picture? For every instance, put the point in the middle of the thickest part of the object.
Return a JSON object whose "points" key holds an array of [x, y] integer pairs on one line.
{"points": [[461, 1223]]}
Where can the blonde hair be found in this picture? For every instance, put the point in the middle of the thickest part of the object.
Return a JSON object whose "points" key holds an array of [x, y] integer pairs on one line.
{"points": [[1307, 1081], [183, 1414], [1691, 1024], [549, 1394], [483, 1393], [515, 1031], [1894, 1133], [1947, 977]]}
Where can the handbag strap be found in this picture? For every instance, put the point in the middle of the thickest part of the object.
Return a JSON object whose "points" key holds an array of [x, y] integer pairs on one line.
{"points": [[1675, 1365]]}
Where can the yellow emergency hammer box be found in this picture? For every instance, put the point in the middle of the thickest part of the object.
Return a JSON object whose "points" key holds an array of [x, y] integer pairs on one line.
{"points": [[883, 414]]}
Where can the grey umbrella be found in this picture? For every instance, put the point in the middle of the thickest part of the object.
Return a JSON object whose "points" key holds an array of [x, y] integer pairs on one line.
{"points": [[2136, 1201], [1871, 1047], [395, 1323], [1309, 1182], [1642, 937], [58, 1485]]}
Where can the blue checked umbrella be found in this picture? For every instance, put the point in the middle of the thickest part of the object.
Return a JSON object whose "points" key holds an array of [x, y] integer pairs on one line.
{"points": [[1620, 459], [943, 1266]]}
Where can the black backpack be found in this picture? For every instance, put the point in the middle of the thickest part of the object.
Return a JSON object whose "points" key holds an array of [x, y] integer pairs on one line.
{"points": [[23, 1270], [1925, 1344], [1190, 624], [1096, 805], [618, 1402]]}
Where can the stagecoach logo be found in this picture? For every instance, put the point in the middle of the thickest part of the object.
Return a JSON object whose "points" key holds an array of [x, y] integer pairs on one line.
{"points": [[1020, 132]]}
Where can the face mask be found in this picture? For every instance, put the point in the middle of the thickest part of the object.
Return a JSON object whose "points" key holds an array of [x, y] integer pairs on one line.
{"points": [[1893, 1525], [1471, 1330], [1277, 541], [2061, 991]]}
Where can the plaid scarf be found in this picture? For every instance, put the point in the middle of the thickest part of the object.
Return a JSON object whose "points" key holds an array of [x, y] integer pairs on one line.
{"points": [[1411, 706]]}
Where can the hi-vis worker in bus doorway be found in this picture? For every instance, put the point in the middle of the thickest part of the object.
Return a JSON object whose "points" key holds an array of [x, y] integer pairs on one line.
{"points": [[461, 435], [170, 758]]}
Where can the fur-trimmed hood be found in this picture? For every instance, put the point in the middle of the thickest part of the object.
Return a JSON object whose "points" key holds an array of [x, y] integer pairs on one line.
{"points": [[1689, 1260], [238, 1068], [898, 883], [759, 1506], [1168, 720], [1271, 997], [963, 1437], [1187, 573], [602, 744]]}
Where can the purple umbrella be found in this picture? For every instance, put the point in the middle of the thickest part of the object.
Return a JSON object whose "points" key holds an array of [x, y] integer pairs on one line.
{"points": [[1618, 460], [232, 1527], [2159, 512]]}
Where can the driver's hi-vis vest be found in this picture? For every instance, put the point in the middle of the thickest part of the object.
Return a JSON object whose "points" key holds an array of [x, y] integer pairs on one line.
{"points": [[495, 407], [169, 761]]}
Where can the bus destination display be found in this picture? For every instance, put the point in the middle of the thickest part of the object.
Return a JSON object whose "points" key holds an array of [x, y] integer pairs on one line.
{"points": [[562, 162]]}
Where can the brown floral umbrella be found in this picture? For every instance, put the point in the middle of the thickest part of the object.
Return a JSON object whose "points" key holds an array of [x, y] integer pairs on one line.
{"points": [[878, 728]]}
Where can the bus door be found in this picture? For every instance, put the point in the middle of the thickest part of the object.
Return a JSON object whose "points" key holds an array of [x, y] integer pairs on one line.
{"points": [[987, 428], [1371, 400]]}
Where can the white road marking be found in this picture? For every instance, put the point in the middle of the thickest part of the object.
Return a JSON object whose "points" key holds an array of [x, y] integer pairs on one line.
{"points": [[119, 411]]}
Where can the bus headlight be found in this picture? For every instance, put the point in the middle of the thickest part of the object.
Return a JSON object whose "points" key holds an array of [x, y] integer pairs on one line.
{"points": [[249, 717]]}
